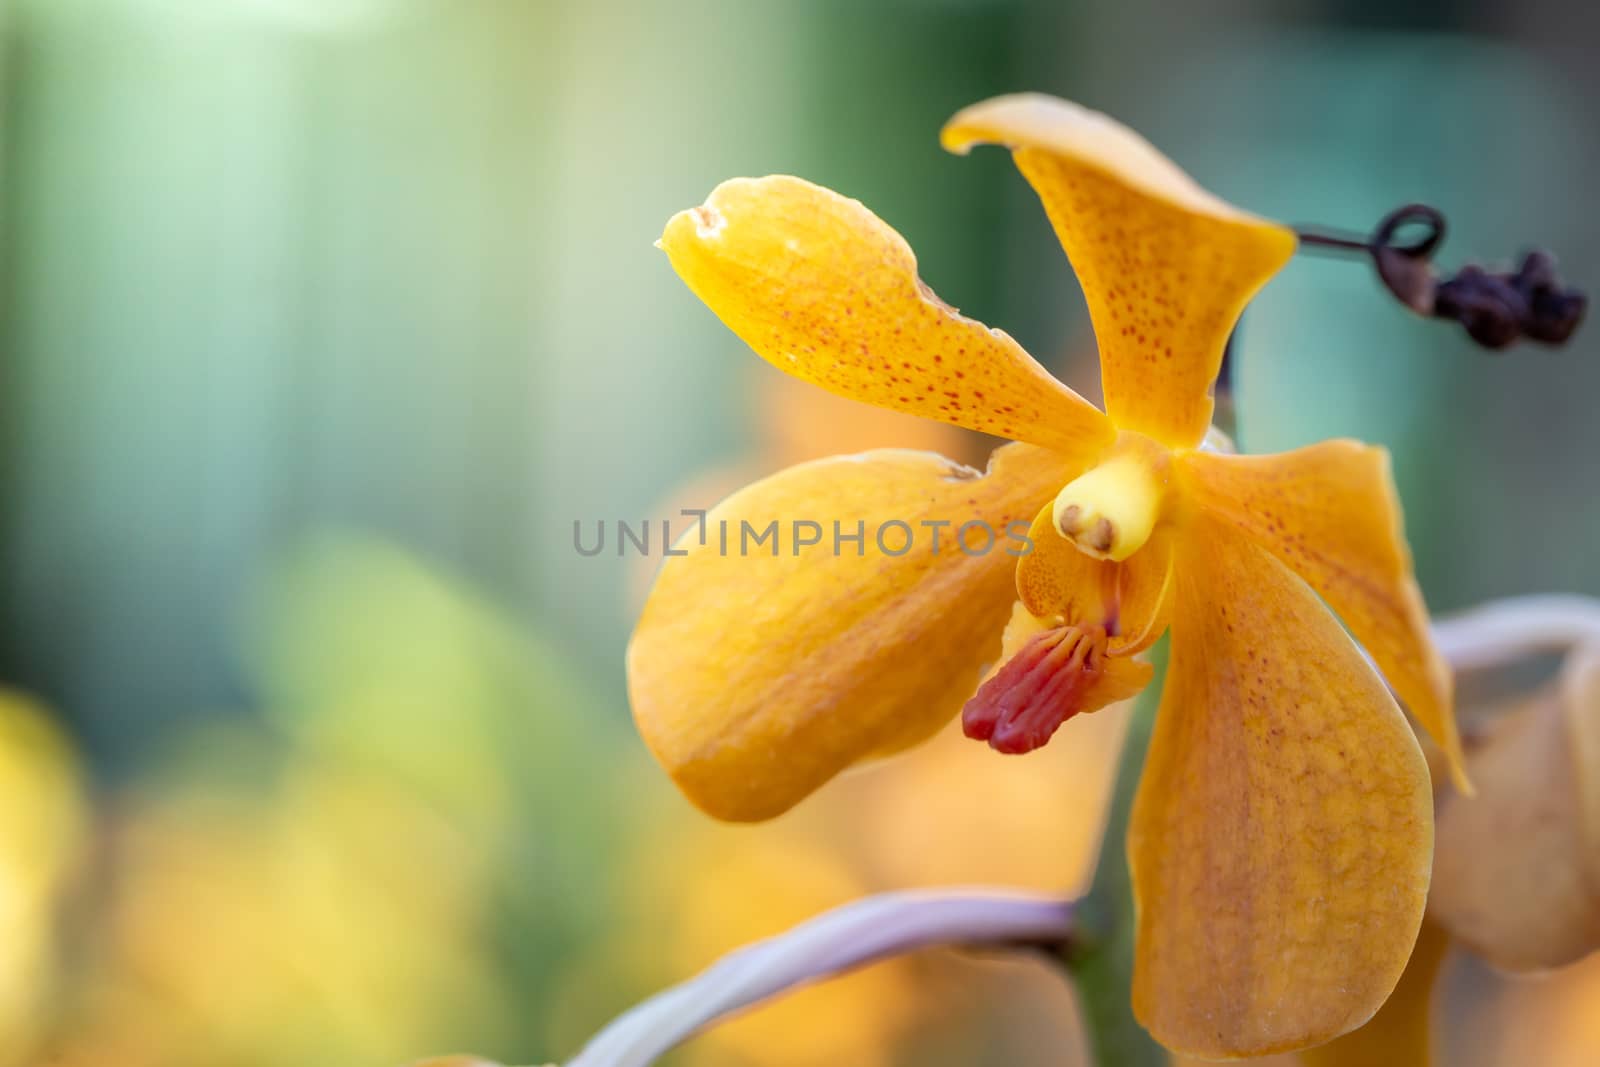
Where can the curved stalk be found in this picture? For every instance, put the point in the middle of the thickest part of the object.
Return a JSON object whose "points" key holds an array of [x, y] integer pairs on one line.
{"points": [[1505, 631], [862, 932]]}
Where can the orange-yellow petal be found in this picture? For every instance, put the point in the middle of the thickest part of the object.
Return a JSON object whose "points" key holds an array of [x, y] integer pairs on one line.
{"points": [[1165, 266], [1401, 1034], [1129, 599], [757, 675], [1331, 513], [1281, 837], [825, 290]]}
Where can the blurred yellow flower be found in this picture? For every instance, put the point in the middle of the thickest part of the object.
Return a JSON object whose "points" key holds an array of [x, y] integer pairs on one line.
{"points": [[43, 839], [1553, 1021], [1281, 839], [393, 862], [914, 822], [324, 926]]}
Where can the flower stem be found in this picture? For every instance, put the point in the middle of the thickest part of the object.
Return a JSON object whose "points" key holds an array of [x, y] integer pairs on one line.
{"points": [[1505, 631], [867, 930], [1100, 958]]}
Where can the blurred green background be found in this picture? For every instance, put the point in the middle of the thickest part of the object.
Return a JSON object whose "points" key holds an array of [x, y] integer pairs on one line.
{"points": [[324, 320]]}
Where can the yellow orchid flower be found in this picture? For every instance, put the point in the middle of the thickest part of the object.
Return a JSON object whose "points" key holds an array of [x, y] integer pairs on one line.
{"points": [[1281, 839]]}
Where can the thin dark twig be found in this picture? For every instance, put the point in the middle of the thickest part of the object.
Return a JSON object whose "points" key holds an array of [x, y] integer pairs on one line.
{"points": [[1337, 241], [1312, 240], [1497, 308]]}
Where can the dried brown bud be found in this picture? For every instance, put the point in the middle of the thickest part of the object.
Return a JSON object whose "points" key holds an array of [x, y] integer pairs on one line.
{"points": [[1410, 279], [1497, 308]]}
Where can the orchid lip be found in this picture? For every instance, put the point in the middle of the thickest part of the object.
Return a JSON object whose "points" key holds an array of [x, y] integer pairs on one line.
{"points": [[1038, 689]]}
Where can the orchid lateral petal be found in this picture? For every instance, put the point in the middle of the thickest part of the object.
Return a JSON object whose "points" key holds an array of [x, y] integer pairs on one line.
{"points": [[1130, 598], [758, 674], [825, 290], [1281, 836], [1331, 513], [1165, 266]]}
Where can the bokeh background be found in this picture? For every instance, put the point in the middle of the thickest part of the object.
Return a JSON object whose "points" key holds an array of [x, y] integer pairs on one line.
{"points": [[325, 320]]}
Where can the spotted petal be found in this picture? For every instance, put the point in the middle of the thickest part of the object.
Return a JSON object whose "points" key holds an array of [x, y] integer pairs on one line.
{"points": [[1281, 836], [1331, 513], [825, 290], [758, 673], [1165, 266]]}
